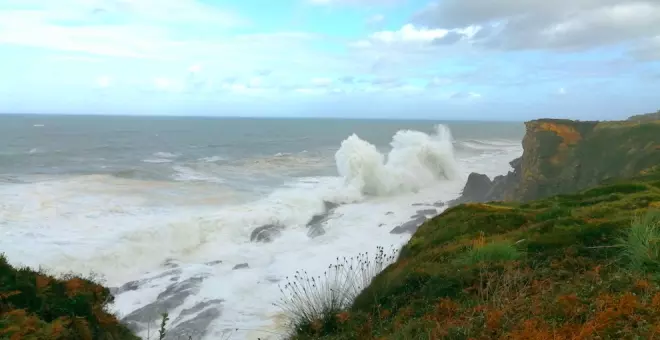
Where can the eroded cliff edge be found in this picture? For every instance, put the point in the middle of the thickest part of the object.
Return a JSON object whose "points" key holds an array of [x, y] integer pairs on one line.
{"points": [[562, 156]]}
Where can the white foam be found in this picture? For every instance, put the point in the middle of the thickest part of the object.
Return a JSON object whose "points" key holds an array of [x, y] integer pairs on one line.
{"points": [[416, 160], [157, 160], [164, 154], [187, 174], [123, 234]]}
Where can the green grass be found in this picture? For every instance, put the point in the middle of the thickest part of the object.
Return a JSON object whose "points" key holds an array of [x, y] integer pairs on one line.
{"points": [[641, 243], [580, 265], [495, 252]]}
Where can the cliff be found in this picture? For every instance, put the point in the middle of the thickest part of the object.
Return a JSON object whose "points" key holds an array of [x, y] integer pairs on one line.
{"points": [[645, 117], [569, 252], [37, 306], [562, 156], [578, 266]]}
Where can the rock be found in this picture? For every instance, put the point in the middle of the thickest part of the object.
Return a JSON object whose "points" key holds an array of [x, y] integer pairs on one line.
{"points": [[315, 225], [418, 204], [439, 204], [516, 164], [389, 213], [213, 263], [241, 266], [266, 233], [410, 226], [170, 263], [128, 286], [134, 285], [426, 212], [476, 187], [315, 231], [172, 297], [194, 328]]}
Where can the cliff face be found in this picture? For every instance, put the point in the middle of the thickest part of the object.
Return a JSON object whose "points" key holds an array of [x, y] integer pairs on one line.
{"points": [[646, 117], [562, 156]]}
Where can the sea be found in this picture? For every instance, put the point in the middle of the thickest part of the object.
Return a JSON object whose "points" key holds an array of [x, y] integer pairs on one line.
{"points": [[166, 205]]}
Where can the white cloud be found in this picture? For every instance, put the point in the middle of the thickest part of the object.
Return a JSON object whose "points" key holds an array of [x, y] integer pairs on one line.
{"points": [[375, 19], [354, 2], [410, 35], [103, 81], [561, 91], [321, 82]]}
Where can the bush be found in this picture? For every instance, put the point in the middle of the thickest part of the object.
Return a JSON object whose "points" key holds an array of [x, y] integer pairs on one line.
{"points": [[313, 304], [641, 242], [487, 253]]}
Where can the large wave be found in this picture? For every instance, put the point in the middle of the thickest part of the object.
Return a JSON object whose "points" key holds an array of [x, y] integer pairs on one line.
{"points": [[416, 159]]}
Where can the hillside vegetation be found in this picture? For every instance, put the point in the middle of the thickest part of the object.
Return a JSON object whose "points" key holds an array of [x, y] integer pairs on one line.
{"points": [[550, 265], [36, 306], [579, 266]]}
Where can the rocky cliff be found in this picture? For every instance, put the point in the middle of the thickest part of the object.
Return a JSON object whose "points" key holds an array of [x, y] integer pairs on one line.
{"points": [[562, 156]]}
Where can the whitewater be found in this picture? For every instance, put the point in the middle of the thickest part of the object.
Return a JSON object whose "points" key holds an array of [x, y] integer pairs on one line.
{"points": [[180, 240]]}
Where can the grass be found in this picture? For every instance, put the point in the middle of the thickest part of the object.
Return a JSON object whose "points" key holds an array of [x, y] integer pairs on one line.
{"points": [[641, 243], [314, 304], [578, 266]]}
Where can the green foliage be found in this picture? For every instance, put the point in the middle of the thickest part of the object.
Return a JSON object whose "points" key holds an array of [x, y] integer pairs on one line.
{"points": [[554, 268], [312, 303], [498, 251], [163, 324], [34, 305], [641, 243]]}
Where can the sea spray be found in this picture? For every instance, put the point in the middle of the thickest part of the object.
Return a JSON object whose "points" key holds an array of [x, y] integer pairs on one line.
{"points": [[415, 160]]}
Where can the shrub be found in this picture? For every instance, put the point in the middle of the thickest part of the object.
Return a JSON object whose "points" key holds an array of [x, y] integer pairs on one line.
{"points": [[486, 253], [315, 304], [641, 242]]}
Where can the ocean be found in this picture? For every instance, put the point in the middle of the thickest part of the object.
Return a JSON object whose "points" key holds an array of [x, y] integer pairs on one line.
{"points": [[162, 208]]}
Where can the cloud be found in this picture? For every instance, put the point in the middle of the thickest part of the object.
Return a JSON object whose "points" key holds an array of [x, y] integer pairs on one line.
{"points": [[539, 24], [465, 95], [649, 50], [103, 82], [375, 19], [355, 2]]}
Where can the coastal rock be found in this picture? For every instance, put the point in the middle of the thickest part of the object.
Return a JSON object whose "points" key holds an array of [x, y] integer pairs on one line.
{"points": [[171, 298], [476, 189], [241, 266], [315, 225], [266, 233], [439, 204], [197, 326], [426, 212], [562, 156], [410, 226]]}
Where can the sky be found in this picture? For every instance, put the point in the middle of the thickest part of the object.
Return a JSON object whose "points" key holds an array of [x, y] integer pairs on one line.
{"points": [[444, 59]]}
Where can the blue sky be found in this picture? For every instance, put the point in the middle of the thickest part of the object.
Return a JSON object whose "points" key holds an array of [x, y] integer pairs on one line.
{"points": [[444, 59]]}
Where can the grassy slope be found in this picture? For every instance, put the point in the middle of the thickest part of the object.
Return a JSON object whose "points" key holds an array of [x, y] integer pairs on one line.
{"points": [[37, 306], [552, 268]]}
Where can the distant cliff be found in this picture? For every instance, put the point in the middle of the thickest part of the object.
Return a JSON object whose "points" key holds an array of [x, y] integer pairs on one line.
{"points": [[646, 117], [562, 156]]}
